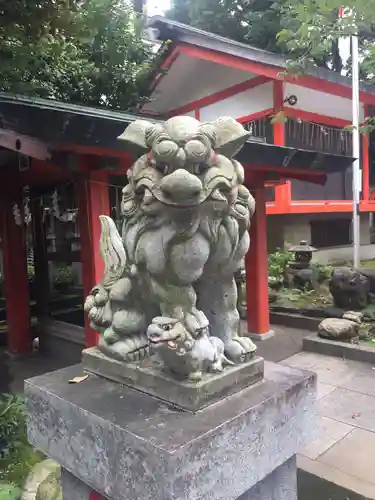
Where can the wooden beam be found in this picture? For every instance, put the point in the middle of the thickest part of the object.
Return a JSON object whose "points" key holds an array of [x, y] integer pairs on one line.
{"points": [[24, 144]]}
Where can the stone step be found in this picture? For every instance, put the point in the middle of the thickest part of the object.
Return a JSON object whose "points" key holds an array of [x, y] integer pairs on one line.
{"points": [[323, 482]]}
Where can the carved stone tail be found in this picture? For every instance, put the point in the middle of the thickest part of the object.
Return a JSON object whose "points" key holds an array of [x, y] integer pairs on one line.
{"points": [[112, 252]]}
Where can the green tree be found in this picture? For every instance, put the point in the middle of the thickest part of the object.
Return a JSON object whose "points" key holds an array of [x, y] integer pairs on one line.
{"points": [[255, 22], [266, 24], [311, 29], [88, 51]]}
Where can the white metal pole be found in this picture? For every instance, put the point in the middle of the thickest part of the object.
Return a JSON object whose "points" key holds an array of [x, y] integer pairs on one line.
{"points": [[356, 153]]}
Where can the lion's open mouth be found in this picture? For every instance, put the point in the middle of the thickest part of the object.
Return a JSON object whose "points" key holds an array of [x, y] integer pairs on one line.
{"points": [[160, 340], [163, 332]]}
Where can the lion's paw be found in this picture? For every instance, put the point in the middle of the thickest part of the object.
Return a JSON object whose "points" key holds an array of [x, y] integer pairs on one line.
{"points": [[128, 349], [240, 349]]}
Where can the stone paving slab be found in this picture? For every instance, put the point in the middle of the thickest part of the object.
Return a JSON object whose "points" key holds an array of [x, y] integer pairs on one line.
{"points": [[347, 374], [284, 343], [324, 389], [344, 452], [355, 454], [349, 407], [362, 380], [329, 483], [330, 370], [329, 433]]}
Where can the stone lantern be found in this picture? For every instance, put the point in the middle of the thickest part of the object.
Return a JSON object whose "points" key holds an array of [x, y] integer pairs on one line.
{"points": [[300, 273], [302, 255]]}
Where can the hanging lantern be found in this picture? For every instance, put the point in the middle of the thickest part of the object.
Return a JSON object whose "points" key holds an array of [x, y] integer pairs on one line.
{"points": [[55, 205], [26, 211], [17, 214]]}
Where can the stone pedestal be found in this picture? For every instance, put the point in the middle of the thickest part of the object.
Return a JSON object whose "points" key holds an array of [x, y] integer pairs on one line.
{"points": [[124, 444], [151, 376]]}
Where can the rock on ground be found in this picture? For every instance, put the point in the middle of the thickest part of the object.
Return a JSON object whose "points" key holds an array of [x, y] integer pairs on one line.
{"points": [[338, 329], [355, 316], [45, 470], [349, 288], [50, 488]]}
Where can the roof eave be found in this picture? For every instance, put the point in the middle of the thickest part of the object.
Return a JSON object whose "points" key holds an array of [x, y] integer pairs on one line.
{"points": [[56, 123], [211, 41]]}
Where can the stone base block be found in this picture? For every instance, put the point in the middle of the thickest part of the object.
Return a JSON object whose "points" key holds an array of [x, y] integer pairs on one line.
{"points": [[281, 484], [150, 376], [123, 443], [258, 337]]}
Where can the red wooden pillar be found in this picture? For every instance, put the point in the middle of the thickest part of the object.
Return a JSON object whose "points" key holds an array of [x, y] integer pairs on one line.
{"points": [[93, 200], [16, 281], [283, 192], [256, 263], [366, 162]]}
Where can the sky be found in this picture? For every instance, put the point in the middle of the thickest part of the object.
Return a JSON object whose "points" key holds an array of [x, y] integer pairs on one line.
{"points": [[157, 7]]}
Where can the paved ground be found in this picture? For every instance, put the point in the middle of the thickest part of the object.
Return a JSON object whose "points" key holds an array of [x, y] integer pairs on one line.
{"points": [[285, 342], [344, 451], [22, 369]]}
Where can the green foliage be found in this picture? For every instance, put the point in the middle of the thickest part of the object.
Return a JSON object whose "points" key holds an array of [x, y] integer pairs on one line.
{"points": [[255, 22], [310, 31], [17, 456], [277, 263], [12, 425], [369, 264], [88, 51], [63, 275], [306, 30], [324, 272], [305, 298], [9, 491]]}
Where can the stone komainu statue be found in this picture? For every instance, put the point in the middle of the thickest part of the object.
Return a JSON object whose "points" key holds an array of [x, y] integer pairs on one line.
{"points": [[169, 281]]}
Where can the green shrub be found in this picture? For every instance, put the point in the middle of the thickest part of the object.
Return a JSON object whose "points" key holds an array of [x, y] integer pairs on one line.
{"points": [[9, 491], [63, 275], [277, 263], [324, 272], [12, 424], [17, 456]]}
